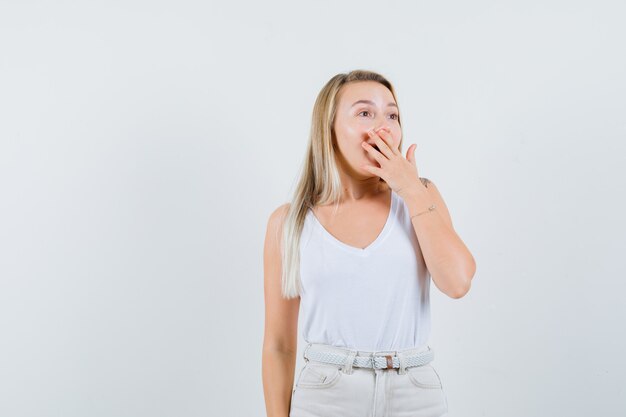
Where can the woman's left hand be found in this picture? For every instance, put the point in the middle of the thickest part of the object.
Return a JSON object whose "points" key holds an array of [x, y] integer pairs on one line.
{"points": [[398, 172]]}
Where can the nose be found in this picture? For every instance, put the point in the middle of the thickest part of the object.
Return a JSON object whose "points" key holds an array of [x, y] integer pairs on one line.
{"points": [[382, 125]]}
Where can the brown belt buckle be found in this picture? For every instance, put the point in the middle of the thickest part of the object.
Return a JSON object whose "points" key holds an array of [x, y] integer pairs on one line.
{"points": [[389, 362]]}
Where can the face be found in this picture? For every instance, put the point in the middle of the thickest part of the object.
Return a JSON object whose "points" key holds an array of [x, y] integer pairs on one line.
{"points": [[362, 106]]}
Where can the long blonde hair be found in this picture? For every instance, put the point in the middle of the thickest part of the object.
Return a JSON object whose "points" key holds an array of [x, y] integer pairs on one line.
{"points": [[319, 181]]}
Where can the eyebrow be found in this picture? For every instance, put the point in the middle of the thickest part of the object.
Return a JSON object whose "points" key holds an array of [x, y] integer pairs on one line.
{"points": [[370, 102]]}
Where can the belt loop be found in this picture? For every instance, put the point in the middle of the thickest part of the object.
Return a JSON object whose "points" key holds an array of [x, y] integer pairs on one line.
{"points": [[305, 349], [374, 360], [347, 368], [402, 360]]}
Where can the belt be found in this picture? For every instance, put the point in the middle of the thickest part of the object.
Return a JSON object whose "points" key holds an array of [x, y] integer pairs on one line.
{"points": [[374, 362]]}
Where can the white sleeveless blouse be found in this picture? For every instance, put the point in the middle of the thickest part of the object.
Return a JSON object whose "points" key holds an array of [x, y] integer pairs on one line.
{"points": [[372, 299]]}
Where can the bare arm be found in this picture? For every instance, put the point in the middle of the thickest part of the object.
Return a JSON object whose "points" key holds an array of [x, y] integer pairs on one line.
{"points": [[448, 260], [281, 325]]}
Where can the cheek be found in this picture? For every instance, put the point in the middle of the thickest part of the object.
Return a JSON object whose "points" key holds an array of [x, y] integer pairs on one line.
{"points": [[353, 136], [355, 132], [397, 136]]}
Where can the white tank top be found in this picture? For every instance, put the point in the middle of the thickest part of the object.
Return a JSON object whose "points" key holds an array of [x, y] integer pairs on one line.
{"points": [[372, 299]]}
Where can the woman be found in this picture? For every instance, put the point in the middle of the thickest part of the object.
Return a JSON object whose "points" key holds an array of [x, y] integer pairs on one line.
{"points": [[357, 247]]}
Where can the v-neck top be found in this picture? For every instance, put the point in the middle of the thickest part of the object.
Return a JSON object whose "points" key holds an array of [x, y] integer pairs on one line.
{"points": [[370, 299], [372, 246]]}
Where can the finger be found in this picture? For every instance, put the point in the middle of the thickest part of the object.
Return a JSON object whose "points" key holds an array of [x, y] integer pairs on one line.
{"points": [[386, 135], [377, 155], [382, 145], [373, 169]]}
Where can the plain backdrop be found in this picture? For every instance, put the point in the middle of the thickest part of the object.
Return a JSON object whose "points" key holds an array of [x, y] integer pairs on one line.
{"points": [[143, 145]]}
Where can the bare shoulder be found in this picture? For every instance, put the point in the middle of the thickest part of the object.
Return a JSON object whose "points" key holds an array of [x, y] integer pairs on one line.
{"points": [[277, 217], [440, 204], [275, 226]]}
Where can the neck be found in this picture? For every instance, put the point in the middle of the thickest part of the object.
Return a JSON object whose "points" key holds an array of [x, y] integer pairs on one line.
{"points": [[356, 187]]}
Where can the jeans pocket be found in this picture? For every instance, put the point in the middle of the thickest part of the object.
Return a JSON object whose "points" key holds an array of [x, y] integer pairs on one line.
{"points": [[424, 376], [318, 375]]}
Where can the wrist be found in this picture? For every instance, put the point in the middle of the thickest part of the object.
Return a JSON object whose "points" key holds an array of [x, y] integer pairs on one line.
{"points": [[418, 201], [416, 191]]}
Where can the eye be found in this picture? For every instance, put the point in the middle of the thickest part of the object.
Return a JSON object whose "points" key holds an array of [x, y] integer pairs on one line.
{"points": [[392, 115]]}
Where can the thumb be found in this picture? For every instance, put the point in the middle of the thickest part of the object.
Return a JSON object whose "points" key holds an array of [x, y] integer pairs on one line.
{"points": [[410, 153]]}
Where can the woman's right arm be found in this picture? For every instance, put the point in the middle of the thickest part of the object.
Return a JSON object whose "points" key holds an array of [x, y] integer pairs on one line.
{"points": [[281, 324]]}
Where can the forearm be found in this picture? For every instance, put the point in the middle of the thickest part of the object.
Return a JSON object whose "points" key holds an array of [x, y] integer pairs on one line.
{"points": [[278, 369], [450, 263]]}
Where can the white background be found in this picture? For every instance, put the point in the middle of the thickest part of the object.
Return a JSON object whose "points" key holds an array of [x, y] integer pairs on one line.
{"points": [[143, 145]]}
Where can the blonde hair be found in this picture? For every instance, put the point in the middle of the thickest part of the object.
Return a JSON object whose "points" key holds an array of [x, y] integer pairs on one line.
{"points": [[319, 181]]}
